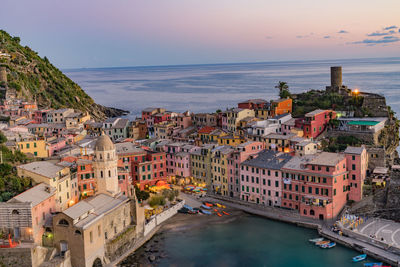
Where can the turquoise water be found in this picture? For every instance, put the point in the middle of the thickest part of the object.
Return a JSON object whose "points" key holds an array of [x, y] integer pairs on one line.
{"points": [[251, 241]]}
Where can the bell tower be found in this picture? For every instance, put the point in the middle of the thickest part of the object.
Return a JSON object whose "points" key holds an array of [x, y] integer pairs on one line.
{"points": [[105, 166]]}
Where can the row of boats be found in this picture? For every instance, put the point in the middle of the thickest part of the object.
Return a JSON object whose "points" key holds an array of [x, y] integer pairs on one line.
{"points": [[328, 244], [206, 208]]}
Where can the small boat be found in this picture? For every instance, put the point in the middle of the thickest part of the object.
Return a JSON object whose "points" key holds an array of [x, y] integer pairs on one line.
{"points": [[219, 214], [208, 204], [329, 245], [205, 212], [224, 212], [215, 210], [323, 242], [359, 258], [315, 240], [205, 207], [373, 264], [220, 206]]}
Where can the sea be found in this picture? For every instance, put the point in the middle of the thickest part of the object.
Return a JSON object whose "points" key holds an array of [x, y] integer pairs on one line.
{"points": [[206, 88], [249, 241]]}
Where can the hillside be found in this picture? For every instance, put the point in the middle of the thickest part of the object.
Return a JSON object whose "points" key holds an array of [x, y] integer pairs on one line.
{"points": [[33, 77]]}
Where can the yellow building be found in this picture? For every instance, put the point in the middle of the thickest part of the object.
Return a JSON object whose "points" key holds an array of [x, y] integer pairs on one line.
{"points": [[38, 148], [219, 169], [201, 164], [235, 115], [230, 140], [52, 174]]}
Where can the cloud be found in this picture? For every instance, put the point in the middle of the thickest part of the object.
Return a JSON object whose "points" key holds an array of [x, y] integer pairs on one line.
{"points": [[343, 31], [390, 27], [327, 37], [378, 34], [268, 37], [384, 40], [300, 36]]}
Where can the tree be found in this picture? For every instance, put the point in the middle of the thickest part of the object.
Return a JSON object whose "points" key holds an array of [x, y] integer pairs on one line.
{"points": [[283, 89], [282, 86]]}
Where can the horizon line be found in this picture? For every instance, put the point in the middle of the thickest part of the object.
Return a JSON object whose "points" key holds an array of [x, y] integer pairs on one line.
{"points": [[228, 63]]}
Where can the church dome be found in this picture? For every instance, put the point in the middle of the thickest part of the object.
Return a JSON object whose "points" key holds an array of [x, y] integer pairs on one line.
{"points": [[103, 143]]}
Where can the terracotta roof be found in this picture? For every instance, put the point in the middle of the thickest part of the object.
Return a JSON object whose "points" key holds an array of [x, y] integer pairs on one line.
{"points": [[206, 129]]}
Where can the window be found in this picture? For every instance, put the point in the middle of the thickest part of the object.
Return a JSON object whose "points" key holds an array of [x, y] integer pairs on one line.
{"points": [[324, 180], [353, 177], [353, 157], [310, 190], [334, 192], [77, 232], [276, 183], [27, 145], [63, 222], [353, 167]]}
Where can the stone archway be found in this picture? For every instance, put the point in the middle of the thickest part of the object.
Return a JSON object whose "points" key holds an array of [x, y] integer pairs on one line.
{"points": [[97, 263]]}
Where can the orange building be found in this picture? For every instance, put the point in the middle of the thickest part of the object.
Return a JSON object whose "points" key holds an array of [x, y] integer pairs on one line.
{"points": [[282, 106]]}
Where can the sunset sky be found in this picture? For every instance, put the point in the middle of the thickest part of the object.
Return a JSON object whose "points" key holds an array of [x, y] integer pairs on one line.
{"points": [[105, 33]]}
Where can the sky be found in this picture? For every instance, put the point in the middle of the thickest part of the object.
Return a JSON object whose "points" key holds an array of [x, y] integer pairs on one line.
{"points": [[116, 33]]}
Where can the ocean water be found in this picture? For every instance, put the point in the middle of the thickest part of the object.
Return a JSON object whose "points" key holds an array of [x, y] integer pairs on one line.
{"points": [[252, 241], [206, 88]]}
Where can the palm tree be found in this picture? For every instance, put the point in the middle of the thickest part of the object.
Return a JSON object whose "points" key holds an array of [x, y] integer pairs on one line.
{"points": [[282, 86]]}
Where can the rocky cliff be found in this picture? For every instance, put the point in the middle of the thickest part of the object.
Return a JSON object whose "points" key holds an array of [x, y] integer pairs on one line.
{"points": [[35, 78]]}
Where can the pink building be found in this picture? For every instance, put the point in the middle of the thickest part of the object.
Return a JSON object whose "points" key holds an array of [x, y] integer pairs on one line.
{"points": [[178, 159], [261, 177], [357, 164], [183, 120], [56, 145], [224, 120], [316, 185], [29, 212], [242, 152], [125, 181]]}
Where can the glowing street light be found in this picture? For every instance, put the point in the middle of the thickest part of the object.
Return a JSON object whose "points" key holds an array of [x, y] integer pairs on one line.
{"points": [[356, 92]]}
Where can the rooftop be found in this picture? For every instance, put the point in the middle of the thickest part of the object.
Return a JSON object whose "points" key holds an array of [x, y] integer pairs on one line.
{"points": [[35, 195], [327, 159], [44, 168], [268, 159], [128, 148], [354, 150], [315, 112]]}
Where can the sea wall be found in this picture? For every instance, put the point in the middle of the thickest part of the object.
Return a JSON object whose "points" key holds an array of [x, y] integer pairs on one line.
{"points": [[163, 216]]}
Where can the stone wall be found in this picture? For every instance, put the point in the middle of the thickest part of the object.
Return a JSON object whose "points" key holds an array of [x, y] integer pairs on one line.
{"points": [[375, 104], [120, 244], [23, 256], [370, 138]]}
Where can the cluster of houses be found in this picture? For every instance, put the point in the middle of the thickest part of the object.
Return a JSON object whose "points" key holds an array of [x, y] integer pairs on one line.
{"points": [[85, 171]]}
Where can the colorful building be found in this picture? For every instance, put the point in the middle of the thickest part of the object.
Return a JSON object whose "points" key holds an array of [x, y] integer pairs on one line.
{"points": [[357, 165], [261, 178], [219, 169], [37, 148], [242, 152], [316, 185], [315, 122], [201, 164]]}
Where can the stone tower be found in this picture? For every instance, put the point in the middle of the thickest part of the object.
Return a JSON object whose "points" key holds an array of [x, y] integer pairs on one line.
{"points": [[105, 166], [336, 81]]}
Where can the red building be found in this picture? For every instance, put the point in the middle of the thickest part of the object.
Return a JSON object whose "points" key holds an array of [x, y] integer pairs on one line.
{"points": [[315, 122], [357, 164], [316, 185], [253, 104], [145, 167], [160, 117]]}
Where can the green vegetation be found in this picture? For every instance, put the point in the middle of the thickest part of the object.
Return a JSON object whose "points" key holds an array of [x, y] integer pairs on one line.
{"points": [[170, 194], [313, 99], [10, 183], [140, 194], [157, 200], [34, 77], [338, 144]]}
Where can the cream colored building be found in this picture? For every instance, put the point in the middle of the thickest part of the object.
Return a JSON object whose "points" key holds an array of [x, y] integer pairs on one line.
{"points": [[56, 176], [219, 169], [85, 228], [235, 115]]}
